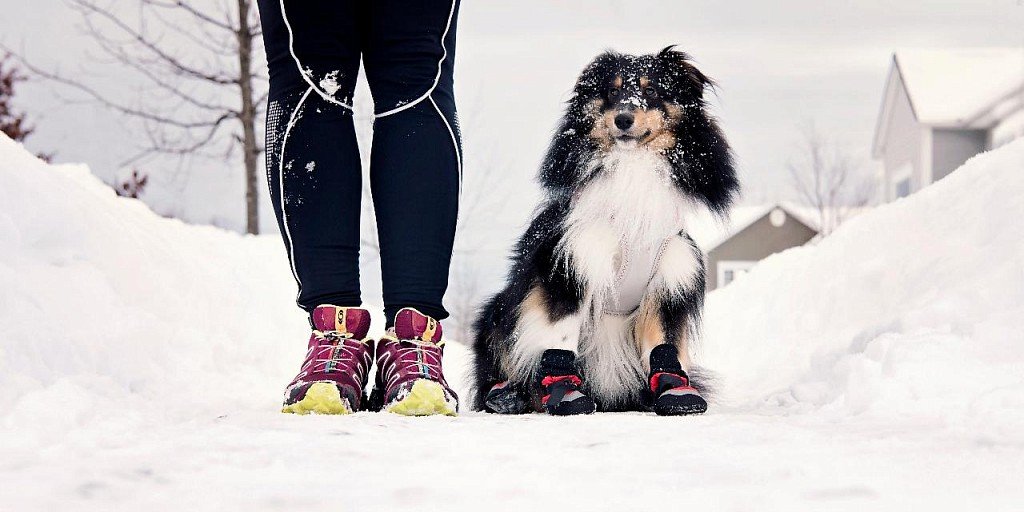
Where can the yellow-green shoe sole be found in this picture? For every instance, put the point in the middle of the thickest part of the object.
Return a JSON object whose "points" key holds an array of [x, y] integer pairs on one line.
{"points": [[321, 398], [426, 398]]}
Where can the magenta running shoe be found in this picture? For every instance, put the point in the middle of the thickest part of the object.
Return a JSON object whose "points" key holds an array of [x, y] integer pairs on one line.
{"points": [[337, 363], [409, 378]]}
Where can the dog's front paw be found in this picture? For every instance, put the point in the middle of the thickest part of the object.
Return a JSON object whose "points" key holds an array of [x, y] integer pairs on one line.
{"points": [[560, 385], [670, 386], [506, 398], [678, 397]]}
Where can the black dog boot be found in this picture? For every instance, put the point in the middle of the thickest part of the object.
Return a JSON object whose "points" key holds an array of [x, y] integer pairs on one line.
{"points": [[507, 398], [670, 387], [559, 385]]}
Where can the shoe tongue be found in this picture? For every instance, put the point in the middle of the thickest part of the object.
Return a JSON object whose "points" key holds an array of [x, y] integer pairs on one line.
{"points": [[354, 321], [413, 325]]}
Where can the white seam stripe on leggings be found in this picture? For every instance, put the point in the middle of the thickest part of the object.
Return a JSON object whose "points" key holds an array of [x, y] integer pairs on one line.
{"points": [[437, 78], [455, 142], [284, 213], [295, 57]]}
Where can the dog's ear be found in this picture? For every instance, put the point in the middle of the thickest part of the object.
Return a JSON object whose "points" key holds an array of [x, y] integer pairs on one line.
{"points": [[680, 67], [596, 75]]}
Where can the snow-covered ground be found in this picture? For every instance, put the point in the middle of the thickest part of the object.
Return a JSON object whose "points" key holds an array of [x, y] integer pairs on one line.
{"points": [[142, 360]]}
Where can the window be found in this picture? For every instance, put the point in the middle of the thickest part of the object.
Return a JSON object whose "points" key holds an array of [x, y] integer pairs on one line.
{"points": [[903, 188], [729, 276], [728, 271], [901, 181]]}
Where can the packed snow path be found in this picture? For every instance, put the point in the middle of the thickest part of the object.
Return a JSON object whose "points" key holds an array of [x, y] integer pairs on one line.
{"points": [[142, 361]]}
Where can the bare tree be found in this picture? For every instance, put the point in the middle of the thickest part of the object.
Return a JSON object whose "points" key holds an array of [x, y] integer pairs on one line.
{"points": [[133, 185], [464, 297], [13, 123], [195, 60], [479, 206], [828, 179]]}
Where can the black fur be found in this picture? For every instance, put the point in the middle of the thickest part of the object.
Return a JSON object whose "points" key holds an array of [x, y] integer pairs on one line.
{"points": [[702, 167]]}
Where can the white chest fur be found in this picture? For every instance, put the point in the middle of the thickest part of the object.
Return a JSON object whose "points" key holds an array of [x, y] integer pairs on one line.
{"points": [[618, 224]]}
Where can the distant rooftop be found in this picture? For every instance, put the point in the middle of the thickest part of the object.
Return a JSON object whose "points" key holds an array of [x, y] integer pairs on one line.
{"points": [[960, 86], [709, 233]]}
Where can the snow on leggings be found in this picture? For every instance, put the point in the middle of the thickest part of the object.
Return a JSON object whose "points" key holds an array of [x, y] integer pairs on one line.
{"points": [[313, 165]]}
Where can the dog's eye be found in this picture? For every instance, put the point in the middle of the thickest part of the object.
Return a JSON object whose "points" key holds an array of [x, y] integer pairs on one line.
{"points": [[650, 92], [614, 93]]}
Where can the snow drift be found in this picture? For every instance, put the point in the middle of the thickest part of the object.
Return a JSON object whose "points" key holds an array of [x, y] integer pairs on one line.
{"points": [[106, 306], [142, 361], [912, 309]]}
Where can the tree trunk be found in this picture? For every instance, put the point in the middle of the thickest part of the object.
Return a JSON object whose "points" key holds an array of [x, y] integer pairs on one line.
{"points": [[250, 149]]}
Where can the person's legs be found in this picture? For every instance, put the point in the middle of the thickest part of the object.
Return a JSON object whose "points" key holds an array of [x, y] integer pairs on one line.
{"points": [[415, 173], [416, 160], [313, 167], [314, 173]]}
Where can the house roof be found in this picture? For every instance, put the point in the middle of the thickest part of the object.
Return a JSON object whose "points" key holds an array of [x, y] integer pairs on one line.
{"points": [[955, 87], [709, 232]]}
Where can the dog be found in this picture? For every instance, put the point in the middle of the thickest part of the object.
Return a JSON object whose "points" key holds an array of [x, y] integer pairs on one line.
{"points": [[605, 291]]}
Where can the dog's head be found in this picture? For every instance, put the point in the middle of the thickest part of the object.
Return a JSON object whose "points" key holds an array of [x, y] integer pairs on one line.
{"points": [[653, 102], [639, 100]]}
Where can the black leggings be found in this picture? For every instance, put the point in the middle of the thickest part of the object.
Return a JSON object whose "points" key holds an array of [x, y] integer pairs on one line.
{"points": [[313, 167]]}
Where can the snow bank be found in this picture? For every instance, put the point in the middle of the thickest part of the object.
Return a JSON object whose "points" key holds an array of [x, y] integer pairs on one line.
{"points": [[107, 308], [142, 361], [913, 309]]}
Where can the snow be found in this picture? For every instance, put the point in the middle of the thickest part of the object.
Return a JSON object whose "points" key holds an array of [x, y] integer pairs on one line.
{"points": [[949, 86], [142, 361]]}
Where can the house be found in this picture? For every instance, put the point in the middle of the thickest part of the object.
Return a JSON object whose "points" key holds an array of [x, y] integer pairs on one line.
{"points": [[943, 106], [754, 233]]}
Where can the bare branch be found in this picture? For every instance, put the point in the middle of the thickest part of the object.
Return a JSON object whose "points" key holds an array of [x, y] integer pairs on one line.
{"points": [[160, 82], [88, 7], [107, 102], [185, 6], [827, 179], [203, 40]]}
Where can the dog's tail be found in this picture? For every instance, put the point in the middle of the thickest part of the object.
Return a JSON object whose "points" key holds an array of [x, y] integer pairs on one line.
{"points": [[704, 380]]}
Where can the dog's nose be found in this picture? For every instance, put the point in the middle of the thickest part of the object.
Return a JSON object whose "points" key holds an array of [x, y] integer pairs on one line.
{"points": [[624, 120]]}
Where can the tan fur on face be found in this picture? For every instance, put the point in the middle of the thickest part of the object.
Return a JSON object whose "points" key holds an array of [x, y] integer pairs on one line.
{"points": [[644, 82], [618, 81], [655, 123], [675, 113], [603, 122]]}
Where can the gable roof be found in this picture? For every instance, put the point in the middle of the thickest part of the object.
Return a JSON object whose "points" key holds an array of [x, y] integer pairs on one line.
{"points": [[709, 232], [954, 87]]}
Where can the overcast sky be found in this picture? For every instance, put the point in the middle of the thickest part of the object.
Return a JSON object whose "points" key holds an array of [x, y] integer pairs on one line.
{"points": [[779, 64]]}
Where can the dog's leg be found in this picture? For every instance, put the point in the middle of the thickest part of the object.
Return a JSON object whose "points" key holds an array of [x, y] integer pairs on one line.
{"points": [[671, 308], [668, 320], [539, 330], [543, 357]]}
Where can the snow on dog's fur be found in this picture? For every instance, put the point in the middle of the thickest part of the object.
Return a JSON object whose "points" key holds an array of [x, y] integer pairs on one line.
{"points": [[606, 268]]}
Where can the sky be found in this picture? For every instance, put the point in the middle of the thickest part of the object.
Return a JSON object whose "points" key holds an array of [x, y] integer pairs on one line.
{"points": [[780, 65]]}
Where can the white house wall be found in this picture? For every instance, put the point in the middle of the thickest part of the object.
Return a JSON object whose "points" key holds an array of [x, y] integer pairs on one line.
{"points": [[903, 140], [952, 147]]}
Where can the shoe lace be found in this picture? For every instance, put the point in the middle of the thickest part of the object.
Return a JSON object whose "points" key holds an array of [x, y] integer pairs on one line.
{"points": [[427, 363], [339, 353]]}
